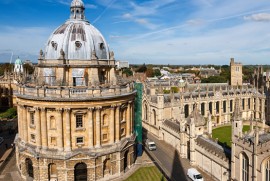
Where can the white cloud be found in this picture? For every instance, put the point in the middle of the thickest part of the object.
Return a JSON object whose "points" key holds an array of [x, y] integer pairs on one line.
{"points": [[258, 17]]}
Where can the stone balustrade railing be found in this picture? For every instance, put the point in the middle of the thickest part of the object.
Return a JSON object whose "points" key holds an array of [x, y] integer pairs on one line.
{"points": [[73, 92]]}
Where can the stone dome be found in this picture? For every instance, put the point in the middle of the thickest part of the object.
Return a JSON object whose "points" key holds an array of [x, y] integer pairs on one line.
{"points": [[77, 38]]}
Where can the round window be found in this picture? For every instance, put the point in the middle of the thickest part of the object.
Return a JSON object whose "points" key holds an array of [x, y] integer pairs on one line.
{"points": [[78, 44]]}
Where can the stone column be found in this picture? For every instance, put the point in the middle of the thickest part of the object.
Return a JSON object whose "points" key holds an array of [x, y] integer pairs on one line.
{"points": [[112, 124], [25, 124], [68, 130], [59, 126], [117, 123], [128, 119], [90, 127], [98, 127], [38, 128], [132, 117], [43, 120], [20, 121]]}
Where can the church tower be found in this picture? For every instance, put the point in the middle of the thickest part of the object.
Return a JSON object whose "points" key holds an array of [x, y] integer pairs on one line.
{"points": [[236, 73]]}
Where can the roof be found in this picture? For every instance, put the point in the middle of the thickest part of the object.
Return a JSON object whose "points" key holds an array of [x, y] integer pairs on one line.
{"points": [[198, 118]]}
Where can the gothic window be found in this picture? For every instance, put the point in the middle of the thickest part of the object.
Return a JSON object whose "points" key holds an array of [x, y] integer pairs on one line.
{"points": [[106, 166], [243, 104], [186, 111], [32, 118], [210, 107], [248, 103], [217, 107], [52, 122], [145, 112], [267, 171], [224, 106], [203, 108], [79, 121], [154, 117], [244, 168], [231, 105]]}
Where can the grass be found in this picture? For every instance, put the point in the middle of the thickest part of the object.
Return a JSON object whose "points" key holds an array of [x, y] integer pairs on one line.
{"points": [[224, 134], [147, 174]]}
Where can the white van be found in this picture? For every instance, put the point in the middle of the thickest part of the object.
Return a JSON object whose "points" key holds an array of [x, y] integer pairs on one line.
{"points": [[194, 175], [151, 145]]}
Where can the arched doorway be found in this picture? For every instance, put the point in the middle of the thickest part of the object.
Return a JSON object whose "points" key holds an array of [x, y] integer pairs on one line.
{"points": [[107, 167], [80, 172], [154, 117], [29, 167], [52, 171], [126, 161]]}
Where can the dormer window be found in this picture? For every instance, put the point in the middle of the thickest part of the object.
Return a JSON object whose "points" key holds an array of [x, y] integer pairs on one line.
{"points": [[54, 45], [101, 46], [78, 44]]}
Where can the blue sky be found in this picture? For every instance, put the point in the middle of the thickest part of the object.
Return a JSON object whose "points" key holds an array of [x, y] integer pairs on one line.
{"points": [[148, 31]]}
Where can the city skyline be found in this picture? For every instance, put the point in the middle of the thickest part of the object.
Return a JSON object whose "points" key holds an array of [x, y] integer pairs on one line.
{"points": [[151, 32]]}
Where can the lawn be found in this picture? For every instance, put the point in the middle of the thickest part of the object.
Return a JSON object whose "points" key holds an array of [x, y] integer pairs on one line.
{"points": [[147, 174], [224, 134]]}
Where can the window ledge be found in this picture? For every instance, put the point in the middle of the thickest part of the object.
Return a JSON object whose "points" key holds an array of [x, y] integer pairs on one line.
{"points": [[33, 126], [80, 129]]}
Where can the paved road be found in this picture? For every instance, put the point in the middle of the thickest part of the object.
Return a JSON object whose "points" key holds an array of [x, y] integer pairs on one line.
{"points": [[169, 160]]}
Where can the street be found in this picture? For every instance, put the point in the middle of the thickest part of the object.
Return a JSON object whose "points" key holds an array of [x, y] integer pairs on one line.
{"points": [[169, 160]]}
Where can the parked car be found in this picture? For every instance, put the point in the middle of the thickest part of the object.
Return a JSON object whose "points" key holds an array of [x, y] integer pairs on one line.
{"points": [[151, 145], [194, 175], [1, 140]]}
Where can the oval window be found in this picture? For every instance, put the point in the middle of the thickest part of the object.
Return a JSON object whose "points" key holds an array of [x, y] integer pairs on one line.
{"points": [[54, 45], [78, 44], [101, 46]]}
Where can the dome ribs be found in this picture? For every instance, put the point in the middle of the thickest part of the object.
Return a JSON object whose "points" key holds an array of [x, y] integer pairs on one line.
{"points": [[61, 29], [78, 33]]}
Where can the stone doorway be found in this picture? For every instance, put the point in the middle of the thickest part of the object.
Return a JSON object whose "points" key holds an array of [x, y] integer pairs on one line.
{"points": [[126, 161], [80, 172], [29, 168]]}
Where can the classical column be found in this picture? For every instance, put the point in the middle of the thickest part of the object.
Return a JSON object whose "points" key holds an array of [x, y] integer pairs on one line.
{"points": [[43, 120], [117, 123], [98, 127], [25, 124], [128, 119], [132, 118], [20, 121], [90, 127], [59, 126], [68, 130], [112, 124], [38, 128]]}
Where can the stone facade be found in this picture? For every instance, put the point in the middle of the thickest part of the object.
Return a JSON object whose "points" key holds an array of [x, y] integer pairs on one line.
{"points": [[236, 73], [185, 120], [75, 118]]}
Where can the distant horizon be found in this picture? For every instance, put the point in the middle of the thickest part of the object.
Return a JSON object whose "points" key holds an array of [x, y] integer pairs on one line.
{"points": [[147, 31]]}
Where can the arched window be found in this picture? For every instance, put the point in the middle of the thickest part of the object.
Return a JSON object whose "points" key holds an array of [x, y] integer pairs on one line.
{"points": [[154, 117], [267, 170], [244, 169], [105, 120], [52, 122], [52, 171], [145, 112], [186, 111], [29, 167], [80, 172]]}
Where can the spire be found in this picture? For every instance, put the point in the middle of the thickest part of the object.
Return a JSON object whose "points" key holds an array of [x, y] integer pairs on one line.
{"points": [[77, 10]]}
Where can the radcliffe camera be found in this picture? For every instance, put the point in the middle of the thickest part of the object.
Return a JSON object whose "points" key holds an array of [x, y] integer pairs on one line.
{"points": [[136, 90]]}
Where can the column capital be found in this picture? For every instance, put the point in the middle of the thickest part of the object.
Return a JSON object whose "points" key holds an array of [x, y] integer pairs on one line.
{"points": [[59, 110], [43, 109], [113, 106], [90, 108], [130, 102], [98, 107], [36, 108], [67, 110]]}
